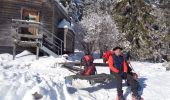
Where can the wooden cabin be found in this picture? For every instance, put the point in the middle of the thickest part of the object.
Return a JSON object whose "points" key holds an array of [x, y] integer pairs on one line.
{"points": [[51, 15]]}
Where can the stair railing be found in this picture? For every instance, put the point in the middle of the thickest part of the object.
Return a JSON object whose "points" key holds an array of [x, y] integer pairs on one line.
{"points": [[42, 37]]}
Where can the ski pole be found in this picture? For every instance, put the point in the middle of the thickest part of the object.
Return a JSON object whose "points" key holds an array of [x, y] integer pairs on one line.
{"points": [[131, 66]]}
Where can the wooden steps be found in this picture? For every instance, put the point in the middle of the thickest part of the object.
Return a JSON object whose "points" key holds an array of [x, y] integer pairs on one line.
{"points": [[42, 39]]}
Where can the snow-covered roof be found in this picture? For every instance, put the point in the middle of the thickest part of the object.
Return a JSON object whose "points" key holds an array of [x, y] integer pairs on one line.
{"points": [[65, 24], [65, 10]]}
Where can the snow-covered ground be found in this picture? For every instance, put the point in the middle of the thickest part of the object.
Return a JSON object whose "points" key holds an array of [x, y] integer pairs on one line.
{"points": [[24, 76]]}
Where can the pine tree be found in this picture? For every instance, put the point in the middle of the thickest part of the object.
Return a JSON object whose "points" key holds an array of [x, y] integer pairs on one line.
{"points": [[135, 18]]}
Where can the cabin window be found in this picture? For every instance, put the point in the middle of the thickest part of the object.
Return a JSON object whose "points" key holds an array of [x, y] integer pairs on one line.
{"points": [[30, 15]]}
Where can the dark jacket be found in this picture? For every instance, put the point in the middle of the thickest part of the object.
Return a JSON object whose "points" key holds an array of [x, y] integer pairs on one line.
{"points": [[117, 64]]}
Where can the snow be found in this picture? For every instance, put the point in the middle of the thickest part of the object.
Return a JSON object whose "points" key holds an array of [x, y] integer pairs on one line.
{"points": [[65, 10], [24, 76], [65, 24]]}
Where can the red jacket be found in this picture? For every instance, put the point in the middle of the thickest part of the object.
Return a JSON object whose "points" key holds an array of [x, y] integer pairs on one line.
{"points": [[107, 54], [113, 68]]}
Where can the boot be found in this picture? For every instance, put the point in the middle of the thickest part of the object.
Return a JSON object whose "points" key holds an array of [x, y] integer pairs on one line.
{"points": [[120, 95], [137, 97], [120, 98]]}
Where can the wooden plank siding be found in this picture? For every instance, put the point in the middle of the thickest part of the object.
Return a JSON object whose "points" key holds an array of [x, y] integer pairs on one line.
{"points": [[12, 9]]}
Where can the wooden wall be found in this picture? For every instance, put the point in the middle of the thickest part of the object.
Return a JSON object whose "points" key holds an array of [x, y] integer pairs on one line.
{"points": [[12, 9], [70, 42]]}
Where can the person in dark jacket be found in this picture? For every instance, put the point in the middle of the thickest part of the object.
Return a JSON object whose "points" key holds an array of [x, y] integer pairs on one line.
{"points": [[119, 68]]}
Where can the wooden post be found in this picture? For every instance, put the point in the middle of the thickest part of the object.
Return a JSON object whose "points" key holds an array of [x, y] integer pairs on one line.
{"points": [[58, 52], [65, 37], [53, 21], [14, 43], [37, 52], [61, 48], [53, 24], [14, 51], [38, 48]]}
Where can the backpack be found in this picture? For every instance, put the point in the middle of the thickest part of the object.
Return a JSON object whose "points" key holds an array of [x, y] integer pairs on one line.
{"points": [[87, 60], [106, 56], [89, 68]]}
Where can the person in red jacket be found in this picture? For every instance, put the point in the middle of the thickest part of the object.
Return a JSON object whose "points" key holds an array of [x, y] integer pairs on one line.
{"points": [[119, 68], [87, 62], [106, 56]]}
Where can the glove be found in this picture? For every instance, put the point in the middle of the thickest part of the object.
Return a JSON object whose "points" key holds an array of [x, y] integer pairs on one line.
{"points": [[123, 75]]}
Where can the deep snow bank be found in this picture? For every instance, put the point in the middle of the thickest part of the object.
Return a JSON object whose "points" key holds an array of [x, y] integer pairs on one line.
{"points": [[21, 78]]}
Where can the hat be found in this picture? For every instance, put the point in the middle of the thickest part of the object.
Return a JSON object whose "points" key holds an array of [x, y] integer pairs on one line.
{"points": [[86, 52], [117, 48]]}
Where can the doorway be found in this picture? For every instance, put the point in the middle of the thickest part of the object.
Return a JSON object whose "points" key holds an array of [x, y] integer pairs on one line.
{"points": [[32, 16]]}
